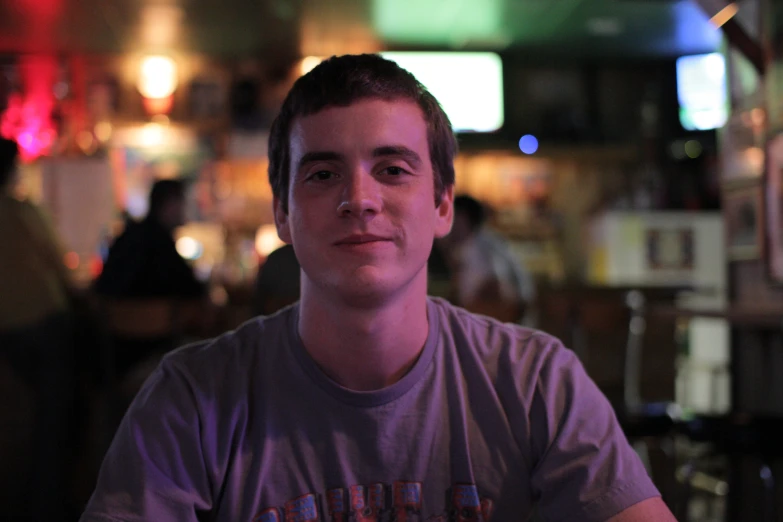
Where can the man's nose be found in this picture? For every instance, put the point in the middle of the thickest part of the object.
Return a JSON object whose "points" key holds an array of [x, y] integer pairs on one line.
{"points": [[361, 196]]}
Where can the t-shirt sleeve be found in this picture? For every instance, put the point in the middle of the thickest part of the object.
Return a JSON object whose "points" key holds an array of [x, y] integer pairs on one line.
{"points": [[583, 469], [154, 469]]}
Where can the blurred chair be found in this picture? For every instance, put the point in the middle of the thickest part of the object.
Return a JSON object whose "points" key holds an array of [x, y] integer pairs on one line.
{"points": [[143, 330], [598, 324], [141, 318], [614, 328], [558, 315], [135, 335], [643, 419], [128, 338], [632, 364], [710, 437]]}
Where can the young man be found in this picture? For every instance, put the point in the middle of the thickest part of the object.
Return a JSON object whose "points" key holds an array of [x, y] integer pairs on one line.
{"points": [[367, 401]]}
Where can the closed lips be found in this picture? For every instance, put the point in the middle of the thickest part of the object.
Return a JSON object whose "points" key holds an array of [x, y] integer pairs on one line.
{"points": [[361, 238]]}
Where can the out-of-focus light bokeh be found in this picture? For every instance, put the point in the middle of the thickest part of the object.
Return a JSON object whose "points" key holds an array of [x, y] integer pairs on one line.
{"points": [[725, 14], [432, 21], [693, 149], [267, 240], [702, 91], [71, 260], [189, 248], [157, 77], [469, 86], [309, 63], [28, 116], [528, 144]]}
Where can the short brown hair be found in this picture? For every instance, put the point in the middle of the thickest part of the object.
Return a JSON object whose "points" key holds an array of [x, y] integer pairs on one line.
{"points": [[342, 80]]}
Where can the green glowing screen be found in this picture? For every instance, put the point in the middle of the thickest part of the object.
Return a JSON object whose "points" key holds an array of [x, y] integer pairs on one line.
{"points": [[434, 22]]}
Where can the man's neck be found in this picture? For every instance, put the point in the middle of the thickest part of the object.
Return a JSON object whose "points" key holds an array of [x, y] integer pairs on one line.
{"points": [[364, 348]]}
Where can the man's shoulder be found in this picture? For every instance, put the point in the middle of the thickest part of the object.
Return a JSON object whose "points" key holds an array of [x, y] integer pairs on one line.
{"points": [[236, 353], [491, 338], [519, 363]]}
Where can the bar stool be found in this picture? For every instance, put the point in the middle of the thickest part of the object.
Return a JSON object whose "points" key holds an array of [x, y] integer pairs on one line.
{"points": [[615, 321], [736, 435], [644, 421]]}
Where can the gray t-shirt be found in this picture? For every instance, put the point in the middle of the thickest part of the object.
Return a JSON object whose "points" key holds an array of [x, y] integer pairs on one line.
{"points": [[492, 420]]}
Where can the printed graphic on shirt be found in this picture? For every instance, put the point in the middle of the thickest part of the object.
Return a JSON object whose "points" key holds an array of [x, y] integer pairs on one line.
{"points": [[397, 502]]}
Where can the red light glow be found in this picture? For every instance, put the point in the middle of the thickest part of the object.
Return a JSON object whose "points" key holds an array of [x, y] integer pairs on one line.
{"points": [[71, 260], [28, 118], [155, 106], [42, 11], [96, 267]]}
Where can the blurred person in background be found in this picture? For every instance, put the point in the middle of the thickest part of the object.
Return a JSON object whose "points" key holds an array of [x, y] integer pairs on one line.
{"points": [[277, 284], [143, 261], [36, 357], [368, 400], [440, 279], [488, 279], [144, 267]]}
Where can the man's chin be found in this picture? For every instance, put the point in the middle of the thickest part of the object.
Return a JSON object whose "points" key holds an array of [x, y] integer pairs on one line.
{"points": [[366, 286], [366, 292]]}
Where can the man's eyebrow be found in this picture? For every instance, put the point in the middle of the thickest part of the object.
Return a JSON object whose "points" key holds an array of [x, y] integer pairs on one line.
{"points": [[399, 151], [314, 156]]}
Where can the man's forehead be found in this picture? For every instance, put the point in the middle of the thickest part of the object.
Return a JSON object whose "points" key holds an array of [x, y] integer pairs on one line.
{"points": [[399, 118], [395, 100], [376, 104]]}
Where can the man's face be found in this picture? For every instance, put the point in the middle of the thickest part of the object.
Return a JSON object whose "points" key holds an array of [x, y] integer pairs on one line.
{"points": [[361, 206]]}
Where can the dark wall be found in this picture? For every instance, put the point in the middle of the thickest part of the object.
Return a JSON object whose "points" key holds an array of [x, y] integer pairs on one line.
{"points": [[598, 102], [577, 103]]}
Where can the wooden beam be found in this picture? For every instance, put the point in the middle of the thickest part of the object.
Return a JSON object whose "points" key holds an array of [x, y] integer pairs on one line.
{"points": [[737, 35]]}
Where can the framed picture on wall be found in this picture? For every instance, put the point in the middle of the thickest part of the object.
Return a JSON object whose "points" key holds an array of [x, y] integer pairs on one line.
{"points": [[773, 189], [670, 249], [744, 214]]}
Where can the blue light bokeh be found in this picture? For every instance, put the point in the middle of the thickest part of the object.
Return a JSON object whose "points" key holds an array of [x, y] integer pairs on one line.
{"points": [[528, 144]]}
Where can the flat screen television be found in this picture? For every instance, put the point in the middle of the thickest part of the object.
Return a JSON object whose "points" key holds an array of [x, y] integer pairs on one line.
{"points": [[469, 85], [702, 91]]}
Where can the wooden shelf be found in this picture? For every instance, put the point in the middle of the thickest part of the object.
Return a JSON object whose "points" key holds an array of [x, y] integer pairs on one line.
{"points": [[747, 316]]}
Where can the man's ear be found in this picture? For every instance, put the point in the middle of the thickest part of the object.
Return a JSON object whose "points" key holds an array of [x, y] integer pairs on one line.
{"points": [[281, 221], [445, 212]]}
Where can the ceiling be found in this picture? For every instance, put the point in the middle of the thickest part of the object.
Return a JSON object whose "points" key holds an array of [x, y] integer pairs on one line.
{"points": [[250, 27]]}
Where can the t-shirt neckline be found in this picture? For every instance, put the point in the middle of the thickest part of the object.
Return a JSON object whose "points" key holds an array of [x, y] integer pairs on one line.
{"points": [[365, 398]]}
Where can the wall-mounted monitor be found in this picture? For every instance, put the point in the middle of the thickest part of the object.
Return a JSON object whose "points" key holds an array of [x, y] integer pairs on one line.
{"points": [[468, 85], [702, 91]]}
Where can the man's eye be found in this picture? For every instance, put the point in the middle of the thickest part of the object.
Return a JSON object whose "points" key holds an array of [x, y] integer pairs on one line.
{"points": [[393, 171], [322, 175]]}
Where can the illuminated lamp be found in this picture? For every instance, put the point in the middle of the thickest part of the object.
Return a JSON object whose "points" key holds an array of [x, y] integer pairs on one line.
{"points": [[267, 240], [157, 83], [309, 63]]}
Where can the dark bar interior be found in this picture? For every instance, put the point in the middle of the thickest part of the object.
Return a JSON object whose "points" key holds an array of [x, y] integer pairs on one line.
{"points": [[618, 186]]}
